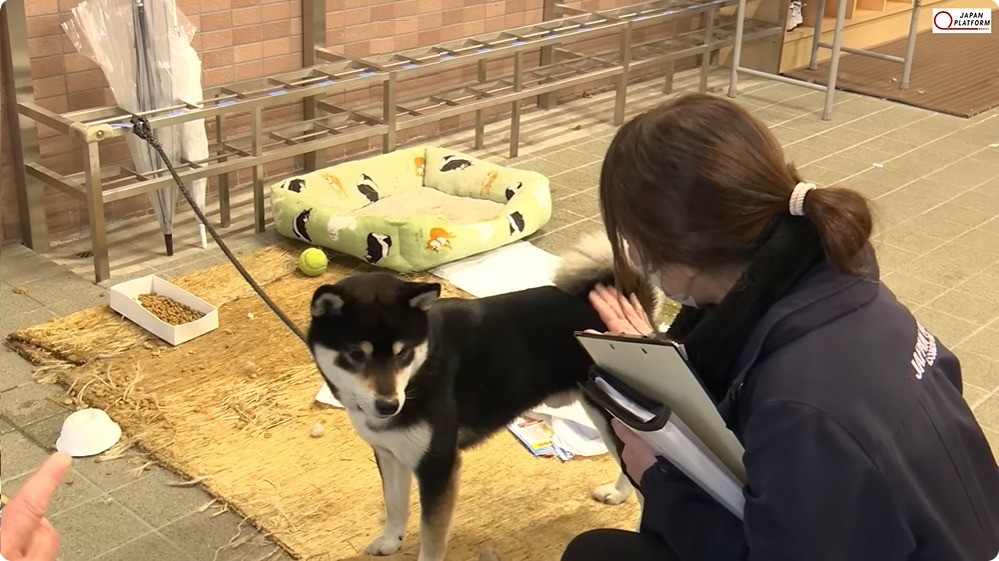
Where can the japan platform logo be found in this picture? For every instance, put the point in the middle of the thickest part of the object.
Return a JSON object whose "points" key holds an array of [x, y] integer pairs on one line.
{"points": [[963, 20]]}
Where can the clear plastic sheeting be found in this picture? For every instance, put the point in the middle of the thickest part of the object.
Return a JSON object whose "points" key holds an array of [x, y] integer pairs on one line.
{"points": [[188, 89], [144, 48]]}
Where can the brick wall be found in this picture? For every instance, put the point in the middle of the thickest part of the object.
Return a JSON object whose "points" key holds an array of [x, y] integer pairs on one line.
{"points": [[239, 40]]}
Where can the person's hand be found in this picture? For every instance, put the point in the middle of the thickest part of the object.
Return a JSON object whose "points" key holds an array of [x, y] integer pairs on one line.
{"points": [[25, 534], [620, 314], [637, 456]]}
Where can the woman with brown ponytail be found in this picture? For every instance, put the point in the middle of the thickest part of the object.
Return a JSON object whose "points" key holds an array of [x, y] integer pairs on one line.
{"points": [[859, 444]]}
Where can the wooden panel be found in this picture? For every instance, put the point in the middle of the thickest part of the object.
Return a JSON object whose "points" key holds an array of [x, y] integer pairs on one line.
{"points": [[765, 54], [808, 10], [833, 5], [873, 5]]}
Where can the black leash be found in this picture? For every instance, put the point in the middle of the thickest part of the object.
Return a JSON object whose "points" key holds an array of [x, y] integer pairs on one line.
{"points": [[141, 128]]}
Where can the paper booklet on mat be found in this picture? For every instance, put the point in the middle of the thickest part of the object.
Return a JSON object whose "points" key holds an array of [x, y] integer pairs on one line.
{"points": [[326, 396], [657, 371], [513, 267]]}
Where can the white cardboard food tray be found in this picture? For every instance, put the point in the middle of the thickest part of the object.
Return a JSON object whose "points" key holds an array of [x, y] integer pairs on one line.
{"points": [[125, 301]]}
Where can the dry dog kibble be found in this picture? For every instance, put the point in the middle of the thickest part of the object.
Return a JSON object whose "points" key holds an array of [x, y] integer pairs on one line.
{"points": [[168, 310]]}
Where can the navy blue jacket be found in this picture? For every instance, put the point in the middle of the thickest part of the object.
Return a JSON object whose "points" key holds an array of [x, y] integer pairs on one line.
{"points": [[859, 444]]}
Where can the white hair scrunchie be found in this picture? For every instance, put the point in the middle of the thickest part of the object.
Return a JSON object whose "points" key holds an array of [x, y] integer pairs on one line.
{"points": [[797, 203]]}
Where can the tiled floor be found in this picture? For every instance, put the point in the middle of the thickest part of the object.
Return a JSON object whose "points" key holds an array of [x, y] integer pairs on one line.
{"points": [[935, 180]]}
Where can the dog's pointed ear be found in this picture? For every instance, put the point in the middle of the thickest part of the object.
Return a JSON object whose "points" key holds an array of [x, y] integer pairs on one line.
{"points": [[327, 300], [422, 295]]}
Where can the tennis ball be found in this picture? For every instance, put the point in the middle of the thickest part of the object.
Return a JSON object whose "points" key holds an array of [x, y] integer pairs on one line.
{"points": [[312, 262]]}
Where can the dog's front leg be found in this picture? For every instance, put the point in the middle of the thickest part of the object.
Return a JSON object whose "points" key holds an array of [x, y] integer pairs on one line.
{"points": [[396, 481], [618, 491], [438, 478]]}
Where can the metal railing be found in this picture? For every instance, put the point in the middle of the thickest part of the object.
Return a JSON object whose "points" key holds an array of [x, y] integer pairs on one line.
{"points": [[326, 124]]}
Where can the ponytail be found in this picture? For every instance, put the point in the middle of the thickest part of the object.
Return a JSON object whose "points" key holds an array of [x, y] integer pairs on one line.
{"points": [[842, 219]]}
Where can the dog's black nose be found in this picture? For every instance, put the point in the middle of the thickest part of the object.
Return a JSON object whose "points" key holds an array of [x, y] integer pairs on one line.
{"points": [[387, 407]]}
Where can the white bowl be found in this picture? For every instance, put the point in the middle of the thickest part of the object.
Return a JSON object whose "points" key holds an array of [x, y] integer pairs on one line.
{"points": [[88, 432]]}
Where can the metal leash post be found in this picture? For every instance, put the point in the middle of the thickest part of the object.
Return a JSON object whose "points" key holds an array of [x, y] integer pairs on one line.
{"points": [[740, 22], [142, 129], [910, 46]]}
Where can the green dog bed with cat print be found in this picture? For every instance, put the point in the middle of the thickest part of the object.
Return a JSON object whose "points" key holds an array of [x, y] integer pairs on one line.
{"points": [[412, 209]]}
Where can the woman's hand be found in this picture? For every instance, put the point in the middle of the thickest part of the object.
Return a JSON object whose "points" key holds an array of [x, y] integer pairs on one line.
{"points": [[620, 315], [25, 534], [637, 456]]}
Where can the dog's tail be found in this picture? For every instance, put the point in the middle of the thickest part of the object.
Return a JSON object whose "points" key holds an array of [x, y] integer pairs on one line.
{"points": [[591, 262]]}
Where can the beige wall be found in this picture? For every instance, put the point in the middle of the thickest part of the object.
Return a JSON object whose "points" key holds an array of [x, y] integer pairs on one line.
{"points": [[237, 40]]}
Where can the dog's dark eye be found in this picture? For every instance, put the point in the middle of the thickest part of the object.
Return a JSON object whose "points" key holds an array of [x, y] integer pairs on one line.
{"points": [[356, 355], [405, 355]]}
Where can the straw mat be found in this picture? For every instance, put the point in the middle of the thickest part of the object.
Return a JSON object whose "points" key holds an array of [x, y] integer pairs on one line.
{"points": [[233, 411]]}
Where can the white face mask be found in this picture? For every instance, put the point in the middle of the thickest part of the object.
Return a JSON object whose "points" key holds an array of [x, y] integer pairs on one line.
{"points": [[684, 298]]}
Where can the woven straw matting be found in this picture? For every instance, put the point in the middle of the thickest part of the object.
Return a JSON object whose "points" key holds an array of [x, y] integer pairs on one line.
{"points": [[233, 409]]}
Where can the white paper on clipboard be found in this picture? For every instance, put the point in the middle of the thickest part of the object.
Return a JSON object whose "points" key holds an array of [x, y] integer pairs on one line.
{"points": [[656, 369]]}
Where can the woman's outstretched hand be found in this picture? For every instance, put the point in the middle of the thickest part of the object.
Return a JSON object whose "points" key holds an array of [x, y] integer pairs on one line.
{"points": [[25, 534], [623, 315]]}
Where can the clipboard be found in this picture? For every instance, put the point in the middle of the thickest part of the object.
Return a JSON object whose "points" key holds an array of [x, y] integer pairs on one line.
{"points": [[659, 370], [666, 432]]}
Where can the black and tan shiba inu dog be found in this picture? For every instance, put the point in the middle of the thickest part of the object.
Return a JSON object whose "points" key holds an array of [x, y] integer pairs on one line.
{"points": [[422, 377]]}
